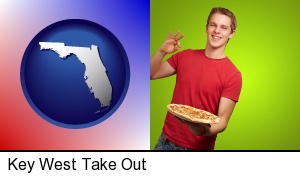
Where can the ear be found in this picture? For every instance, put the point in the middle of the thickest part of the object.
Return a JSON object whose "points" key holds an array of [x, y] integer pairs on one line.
{"points": [[232, 34]]}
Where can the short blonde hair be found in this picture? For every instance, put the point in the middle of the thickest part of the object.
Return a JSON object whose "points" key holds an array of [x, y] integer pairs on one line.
{"points": [[226, 12]]}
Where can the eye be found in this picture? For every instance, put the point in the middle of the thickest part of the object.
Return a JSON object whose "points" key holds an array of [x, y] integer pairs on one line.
{"points": [[224, 27]]}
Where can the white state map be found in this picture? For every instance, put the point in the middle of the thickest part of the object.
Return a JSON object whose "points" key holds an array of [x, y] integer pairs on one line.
{"points": [[95, 73]]}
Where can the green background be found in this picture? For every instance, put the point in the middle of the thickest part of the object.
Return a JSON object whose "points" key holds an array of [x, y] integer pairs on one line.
{"points": [[265, 49]]}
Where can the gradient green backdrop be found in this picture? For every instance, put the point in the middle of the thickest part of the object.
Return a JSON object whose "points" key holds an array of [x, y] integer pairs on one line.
{"points": [[265, 48]]}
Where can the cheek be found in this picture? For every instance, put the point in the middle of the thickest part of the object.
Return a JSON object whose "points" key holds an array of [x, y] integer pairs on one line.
{"points": [[209, 30], [227, 34]]}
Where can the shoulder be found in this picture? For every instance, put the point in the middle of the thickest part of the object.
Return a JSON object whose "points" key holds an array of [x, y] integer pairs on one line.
{"points": [[232, 70], [187, 52], [231, 66], [192, 51]]}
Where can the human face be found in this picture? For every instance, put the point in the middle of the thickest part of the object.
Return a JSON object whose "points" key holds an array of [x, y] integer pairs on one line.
{"points": [[218, 31]]}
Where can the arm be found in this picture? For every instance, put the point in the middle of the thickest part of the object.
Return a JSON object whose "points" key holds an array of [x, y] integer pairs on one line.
{"points": [[225, 110], [159, 69]]}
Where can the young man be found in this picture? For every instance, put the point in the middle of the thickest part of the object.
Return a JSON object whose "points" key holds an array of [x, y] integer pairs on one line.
{"points": [[205, 79]]}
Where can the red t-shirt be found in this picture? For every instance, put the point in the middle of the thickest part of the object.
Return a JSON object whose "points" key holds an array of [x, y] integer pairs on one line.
{"points": [[200, 82]]}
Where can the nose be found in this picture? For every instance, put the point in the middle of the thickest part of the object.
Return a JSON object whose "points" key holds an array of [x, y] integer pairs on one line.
{"points": [[217, 30]]}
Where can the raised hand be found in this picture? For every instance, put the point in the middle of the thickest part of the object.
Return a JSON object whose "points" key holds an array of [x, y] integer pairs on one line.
{"points": [[172, 43]]}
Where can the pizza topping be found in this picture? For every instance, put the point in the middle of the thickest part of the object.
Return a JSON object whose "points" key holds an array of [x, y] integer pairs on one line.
{"points": [[192, 114]]}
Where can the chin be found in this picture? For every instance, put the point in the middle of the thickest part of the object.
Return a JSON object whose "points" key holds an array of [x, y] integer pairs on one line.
{"points": [[217, 45]]}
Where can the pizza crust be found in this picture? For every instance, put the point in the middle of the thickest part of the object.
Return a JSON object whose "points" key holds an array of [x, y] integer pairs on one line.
{"points": [[192, 114]]}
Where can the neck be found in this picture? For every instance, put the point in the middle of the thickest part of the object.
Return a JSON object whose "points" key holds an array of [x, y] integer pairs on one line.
{"points": [[215, 53]]}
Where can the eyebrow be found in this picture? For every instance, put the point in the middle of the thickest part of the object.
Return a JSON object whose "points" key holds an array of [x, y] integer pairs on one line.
{"points": [[216, 24]]}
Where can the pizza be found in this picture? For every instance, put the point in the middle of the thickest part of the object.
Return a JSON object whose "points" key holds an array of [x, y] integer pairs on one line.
{"points": [[192, 114]]}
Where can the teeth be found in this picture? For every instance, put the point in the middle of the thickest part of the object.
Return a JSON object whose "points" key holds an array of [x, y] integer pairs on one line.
{"points": [[215, 37]]}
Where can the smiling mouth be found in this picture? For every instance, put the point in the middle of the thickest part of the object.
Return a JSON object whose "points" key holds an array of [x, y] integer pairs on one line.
{"points": [[216, 37]]}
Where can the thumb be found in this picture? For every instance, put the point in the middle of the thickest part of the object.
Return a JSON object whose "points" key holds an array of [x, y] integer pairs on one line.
{"points": [[178, 44]]}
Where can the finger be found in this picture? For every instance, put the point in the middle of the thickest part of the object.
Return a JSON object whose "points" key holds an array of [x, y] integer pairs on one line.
{"points": [[178, 45], [206, 124], [181, 121], [176, 48], [175, 35], [180, 37], [171, 41], [191, 124], [170, 35]]}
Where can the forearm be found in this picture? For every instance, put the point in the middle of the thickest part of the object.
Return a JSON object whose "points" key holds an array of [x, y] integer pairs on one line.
{"points": [[210, 129], [205, 129], [155, 62], [225, 110], [214, 129]]}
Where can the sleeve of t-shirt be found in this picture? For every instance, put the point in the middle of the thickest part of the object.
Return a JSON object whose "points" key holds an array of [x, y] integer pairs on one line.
{"points": [[174, 59], [233, 87]]}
